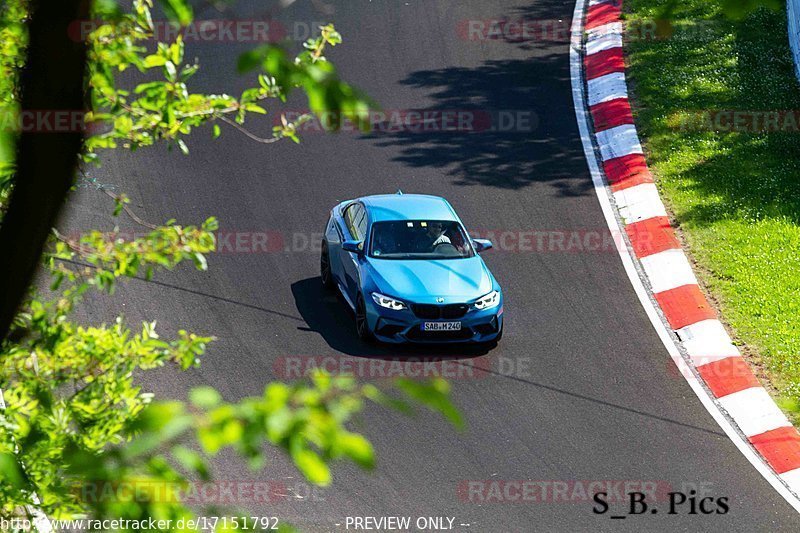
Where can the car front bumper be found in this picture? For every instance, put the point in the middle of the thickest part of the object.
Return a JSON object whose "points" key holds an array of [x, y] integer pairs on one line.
{"points": [[404, 326]]}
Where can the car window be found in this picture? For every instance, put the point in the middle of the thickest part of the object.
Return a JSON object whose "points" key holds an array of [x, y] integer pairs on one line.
{"points": [[356, 219], [350, 215], [361, 223], [331, 232], [419, 239]]}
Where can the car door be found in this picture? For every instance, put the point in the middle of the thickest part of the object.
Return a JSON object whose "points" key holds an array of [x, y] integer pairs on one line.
{"points": [[333, 236], [355, 221]]}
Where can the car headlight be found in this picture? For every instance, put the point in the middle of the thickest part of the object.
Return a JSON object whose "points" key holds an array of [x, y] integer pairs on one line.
{"points": [[388, 303], [487, 302]]}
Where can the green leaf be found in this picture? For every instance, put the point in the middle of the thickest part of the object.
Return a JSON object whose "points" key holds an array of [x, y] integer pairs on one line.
{"points": [[192, 461], [357, 448], [171, 70], [200, 261], [10, 471], [253, 108], [155, 60], [311, 466], [217, 132], [433, 394], [205, 397], [178, 10], [107, 9], [251, 59]]}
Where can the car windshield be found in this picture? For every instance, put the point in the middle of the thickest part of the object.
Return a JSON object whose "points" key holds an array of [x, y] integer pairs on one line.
{"points": [[419, 239]]}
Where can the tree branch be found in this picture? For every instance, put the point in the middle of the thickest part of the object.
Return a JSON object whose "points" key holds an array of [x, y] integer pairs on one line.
{"points": [[52, 80]]}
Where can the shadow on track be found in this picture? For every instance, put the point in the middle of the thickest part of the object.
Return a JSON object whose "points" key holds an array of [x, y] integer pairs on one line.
{"points": [[521, 132], [328, 315]]}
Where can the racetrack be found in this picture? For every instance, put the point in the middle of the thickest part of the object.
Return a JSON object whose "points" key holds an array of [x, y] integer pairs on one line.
{"points": [[581, 389]]}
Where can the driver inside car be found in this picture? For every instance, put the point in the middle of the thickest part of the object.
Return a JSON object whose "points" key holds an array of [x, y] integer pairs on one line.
{"points": [[435, 234]]}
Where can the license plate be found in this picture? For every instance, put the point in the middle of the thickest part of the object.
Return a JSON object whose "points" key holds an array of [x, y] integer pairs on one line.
{"points": [[441, 326]]}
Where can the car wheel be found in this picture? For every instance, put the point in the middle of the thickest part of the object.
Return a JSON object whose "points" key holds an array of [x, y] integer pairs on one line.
{"points": [[362, 326], [325, 267]]}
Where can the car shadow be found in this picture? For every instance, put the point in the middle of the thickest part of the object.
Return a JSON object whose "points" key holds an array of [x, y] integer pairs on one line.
{"points": [[326, 313]]}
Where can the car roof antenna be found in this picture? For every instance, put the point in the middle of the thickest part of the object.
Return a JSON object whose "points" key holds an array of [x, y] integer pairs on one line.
{"points": [[399, 192]]}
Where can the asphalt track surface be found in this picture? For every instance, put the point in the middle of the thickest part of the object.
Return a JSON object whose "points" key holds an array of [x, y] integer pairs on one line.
{"points": [[580, 388]]}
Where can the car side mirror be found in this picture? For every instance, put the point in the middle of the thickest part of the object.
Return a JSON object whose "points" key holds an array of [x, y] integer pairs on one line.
{"points": [[481, 245], [353, 246]]}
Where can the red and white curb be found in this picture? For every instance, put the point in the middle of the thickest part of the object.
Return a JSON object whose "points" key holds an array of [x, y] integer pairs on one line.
{"points": [[699, 344]]}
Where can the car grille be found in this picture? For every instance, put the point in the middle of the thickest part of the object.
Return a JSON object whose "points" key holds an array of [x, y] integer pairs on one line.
{"points": [[437, 312]]}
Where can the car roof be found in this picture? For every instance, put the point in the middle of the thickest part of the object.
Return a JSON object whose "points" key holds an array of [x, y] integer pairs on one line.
{"points": [[386, 207]]}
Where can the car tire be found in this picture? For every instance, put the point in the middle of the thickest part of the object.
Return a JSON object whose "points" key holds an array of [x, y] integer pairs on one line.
{"points": [[325, 267], [362, 325]]}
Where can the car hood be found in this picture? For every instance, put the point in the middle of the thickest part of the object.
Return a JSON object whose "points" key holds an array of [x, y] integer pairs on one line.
{"points": [[422, 281]]}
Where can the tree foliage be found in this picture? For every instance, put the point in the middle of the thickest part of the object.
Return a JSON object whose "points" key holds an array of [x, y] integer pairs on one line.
{"points": [[75, 416]]}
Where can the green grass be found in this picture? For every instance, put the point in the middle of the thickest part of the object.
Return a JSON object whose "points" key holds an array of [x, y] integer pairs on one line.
{"points": [[735, 196]]}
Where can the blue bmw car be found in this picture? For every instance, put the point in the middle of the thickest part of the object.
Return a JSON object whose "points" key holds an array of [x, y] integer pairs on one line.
{"points": [[410, 272]]}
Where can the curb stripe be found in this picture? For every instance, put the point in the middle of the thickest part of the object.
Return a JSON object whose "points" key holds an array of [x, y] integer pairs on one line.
{"points": [[707, 341], [604, 62], [604, 38], [612, 28], [639, 203], [627, 171], [611, 113], [618, 142], [728, 376], [602, 14], [754, 411], [685, 305], [651, 236], [780, 447], [667, 270], [605, 88], [792, 479]]}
